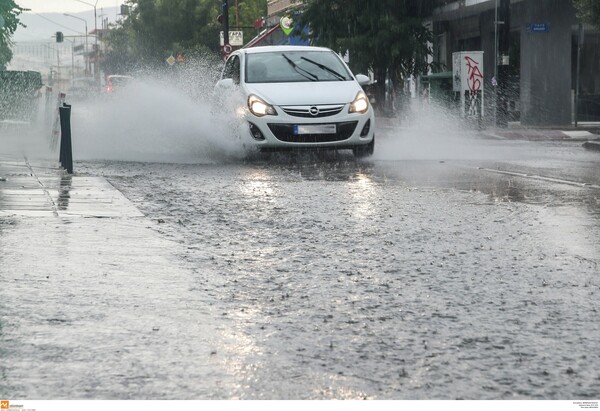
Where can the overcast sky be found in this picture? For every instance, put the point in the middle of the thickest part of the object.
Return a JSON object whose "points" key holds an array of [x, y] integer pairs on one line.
{"points": [[47, 17], [65, 6]]}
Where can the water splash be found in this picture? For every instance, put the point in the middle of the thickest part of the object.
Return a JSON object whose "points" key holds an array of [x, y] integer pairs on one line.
{"points": [[431, 132], [159, 117]]}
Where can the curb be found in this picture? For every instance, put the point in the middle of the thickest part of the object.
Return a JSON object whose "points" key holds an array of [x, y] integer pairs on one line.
{"points": [[543, 135]]}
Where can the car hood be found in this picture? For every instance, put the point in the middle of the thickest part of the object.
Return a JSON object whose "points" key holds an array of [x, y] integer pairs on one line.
{"points": [[305, 94]]}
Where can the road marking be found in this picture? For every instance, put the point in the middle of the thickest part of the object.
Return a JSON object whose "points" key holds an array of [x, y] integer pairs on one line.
{"points": [[541, 178]]}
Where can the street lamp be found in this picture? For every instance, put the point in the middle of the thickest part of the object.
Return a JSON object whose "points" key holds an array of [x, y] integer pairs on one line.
{"points": [[86, 35], [95, 30]]}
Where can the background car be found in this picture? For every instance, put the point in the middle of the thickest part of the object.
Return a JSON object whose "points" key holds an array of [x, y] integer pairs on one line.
{"points": [[116, 82], [295, 97]]}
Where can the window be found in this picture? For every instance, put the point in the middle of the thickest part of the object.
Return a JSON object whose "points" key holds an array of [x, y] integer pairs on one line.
{"points": [[295, 66], [232, 69]]}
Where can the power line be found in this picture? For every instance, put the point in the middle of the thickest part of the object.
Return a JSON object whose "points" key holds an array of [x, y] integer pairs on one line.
{"points": [[58, 24]]}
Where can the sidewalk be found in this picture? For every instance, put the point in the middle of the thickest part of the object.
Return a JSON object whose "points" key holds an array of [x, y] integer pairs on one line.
{"points": [[589, 135], [45, 190], [534, 134], [92, 299]]}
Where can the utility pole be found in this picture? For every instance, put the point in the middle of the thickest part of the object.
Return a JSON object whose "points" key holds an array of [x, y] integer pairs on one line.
{"points": [[503, 68], [86, 50], [225, 22], [578, 73]]}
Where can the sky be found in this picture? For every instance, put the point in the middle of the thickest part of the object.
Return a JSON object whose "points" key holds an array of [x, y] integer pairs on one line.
{"points": [[46, 17], [65, 6]]}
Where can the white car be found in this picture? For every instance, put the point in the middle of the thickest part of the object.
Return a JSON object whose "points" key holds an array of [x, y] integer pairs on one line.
{"points": [[298, 97]]}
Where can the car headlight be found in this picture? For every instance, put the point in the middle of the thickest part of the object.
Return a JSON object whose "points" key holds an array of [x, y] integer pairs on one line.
{"points": [[360, 103], [259, 108]]}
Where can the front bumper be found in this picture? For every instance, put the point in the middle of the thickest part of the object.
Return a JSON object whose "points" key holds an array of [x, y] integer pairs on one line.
{"points": [[297, 130]]}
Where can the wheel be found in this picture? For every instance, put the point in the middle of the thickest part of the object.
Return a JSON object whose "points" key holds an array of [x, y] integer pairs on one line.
{"points": [[366, 150]]}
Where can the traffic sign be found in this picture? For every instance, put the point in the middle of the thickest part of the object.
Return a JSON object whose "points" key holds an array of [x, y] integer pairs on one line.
{"points": [[171, 60], [227, 48], [287, 25], [538, 28], [236, 38]]}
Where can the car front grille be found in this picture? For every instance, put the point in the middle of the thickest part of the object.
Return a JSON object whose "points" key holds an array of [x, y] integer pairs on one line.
{"points": [[285, 132], [313, 111]]}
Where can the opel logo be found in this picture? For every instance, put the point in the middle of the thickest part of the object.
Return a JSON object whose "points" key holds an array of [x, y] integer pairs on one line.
{"points": [[314, 111]]}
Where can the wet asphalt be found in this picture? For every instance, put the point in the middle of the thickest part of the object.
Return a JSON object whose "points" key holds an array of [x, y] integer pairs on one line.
{"points": [[442, 268]]}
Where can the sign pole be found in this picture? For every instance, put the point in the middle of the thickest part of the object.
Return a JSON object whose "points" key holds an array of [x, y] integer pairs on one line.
{"points": [[504, 66], [225, 22], [578, 73]]}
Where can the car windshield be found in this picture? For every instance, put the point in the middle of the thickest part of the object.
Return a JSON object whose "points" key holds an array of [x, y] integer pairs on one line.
{"points": [[295, 66]]}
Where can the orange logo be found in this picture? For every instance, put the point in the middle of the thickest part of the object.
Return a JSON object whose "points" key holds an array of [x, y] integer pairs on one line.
{"points": [[4, 404]]}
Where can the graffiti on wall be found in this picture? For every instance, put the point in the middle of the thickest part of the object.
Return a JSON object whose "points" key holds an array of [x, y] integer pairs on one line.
{"points": [[474, 76], [468, 80]]}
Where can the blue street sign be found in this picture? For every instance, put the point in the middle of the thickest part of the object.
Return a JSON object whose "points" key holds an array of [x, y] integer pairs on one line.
{"points": [[538, 28]]}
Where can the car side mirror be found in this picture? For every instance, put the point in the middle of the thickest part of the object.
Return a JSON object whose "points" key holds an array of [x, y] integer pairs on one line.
{"points": [[362, 79]]}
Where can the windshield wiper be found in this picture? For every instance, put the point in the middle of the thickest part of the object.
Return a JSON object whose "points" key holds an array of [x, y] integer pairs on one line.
{"points": [[324, 67], [301, 71]]}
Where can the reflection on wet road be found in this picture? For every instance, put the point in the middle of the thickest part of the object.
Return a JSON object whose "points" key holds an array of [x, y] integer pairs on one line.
{"points": [[446, 277], [429, 279]]}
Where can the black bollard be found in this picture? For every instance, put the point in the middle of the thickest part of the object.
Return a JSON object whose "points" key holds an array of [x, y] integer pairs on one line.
{"points": [[66, 148]]}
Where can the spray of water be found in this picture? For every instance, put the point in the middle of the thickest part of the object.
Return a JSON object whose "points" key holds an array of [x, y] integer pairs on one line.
{"points": [[172, 117], [158, 117], [432, 132]]}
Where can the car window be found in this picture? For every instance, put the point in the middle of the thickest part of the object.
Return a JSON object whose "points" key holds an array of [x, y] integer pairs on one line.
{"points": [[295, 66], [232, 69]]}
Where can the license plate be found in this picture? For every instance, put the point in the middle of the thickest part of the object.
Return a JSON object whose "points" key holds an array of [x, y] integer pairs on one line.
{"points": [[315, 129]]}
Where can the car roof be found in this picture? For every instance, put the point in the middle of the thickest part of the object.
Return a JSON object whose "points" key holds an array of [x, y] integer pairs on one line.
{"points": [[270, 49]]}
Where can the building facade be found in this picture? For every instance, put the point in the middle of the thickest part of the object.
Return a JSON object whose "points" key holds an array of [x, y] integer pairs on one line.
{"points": [[544, 40]]}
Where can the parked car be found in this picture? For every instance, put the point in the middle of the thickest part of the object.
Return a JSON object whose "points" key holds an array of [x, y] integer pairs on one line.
{"points": [[298, 97], [116, 82]]}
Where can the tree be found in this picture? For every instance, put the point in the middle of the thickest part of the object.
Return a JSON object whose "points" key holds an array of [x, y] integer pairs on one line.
{"points": [[249, 12], [9, 15], [588, 11], [384, 36], [156, 29]]}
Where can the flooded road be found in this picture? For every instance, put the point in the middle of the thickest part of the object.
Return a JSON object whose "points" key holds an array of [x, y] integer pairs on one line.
{"points": [[447, 266], [439, 274]]}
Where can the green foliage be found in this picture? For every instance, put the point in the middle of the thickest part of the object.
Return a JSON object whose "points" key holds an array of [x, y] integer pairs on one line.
{"points": [[385, 36], [10, 12], [249, 12], [588, 11], [156, 29]]}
